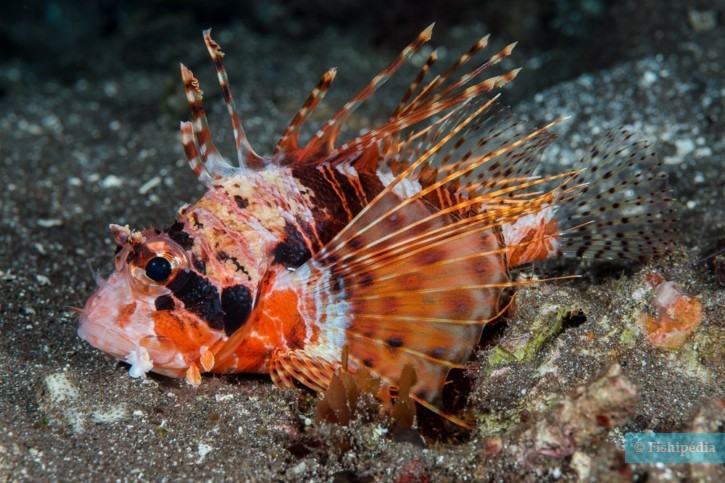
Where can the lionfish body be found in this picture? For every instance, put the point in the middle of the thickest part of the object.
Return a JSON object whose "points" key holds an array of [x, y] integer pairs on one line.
{"points": [[397, 244]]}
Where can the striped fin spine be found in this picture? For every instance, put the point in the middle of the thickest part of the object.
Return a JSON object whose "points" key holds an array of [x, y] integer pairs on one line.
{"points": [[428, 93], [368, 150], [327, 135], [431, 108], [290, 137], [245, 153], [432, 58], [429, 98], [205, 156], [199, 147], [496, 151], [323, 141]]}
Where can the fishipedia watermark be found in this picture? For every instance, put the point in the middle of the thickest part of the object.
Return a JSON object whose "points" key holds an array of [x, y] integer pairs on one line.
{"points": [[674, 447]]}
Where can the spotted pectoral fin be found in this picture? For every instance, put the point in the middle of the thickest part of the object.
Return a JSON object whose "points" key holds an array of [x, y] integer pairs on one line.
{"points": [[405, 285], [412, 282]]}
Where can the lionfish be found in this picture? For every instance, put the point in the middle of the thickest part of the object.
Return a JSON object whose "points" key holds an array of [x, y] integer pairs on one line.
{"points": [[396, 246]]}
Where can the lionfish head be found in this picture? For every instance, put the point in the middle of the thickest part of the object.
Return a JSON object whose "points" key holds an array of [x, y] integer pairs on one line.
{"points": [[136, 315]]}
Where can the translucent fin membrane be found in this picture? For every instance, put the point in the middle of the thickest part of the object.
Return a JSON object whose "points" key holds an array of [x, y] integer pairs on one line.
{"points": [[624, 208]]}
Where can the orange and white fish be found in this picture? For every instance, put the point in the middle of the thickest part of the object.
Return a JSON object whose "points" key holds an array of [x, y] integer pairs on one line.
{"points": [[397, 243]]}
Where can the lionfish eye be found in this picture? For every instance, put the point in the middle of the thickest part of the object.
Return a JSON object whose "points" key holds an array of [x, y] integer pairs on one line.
{"points": [[155, 263], [158, 269]]}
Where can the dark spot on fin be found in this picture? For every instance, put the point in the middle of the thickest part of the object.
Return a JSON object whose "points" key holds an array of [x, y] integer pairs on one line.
{"points": [[237, 305], [437, 353], [292, 252], [336, 284], [395, 342], [165, 302], [200, 296], [365, 279], [355, 242]]}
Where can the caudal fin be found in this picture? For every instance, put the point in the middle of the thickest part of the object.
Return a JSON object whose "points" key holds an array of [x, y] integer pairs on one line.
{"points": [[624, 208]]}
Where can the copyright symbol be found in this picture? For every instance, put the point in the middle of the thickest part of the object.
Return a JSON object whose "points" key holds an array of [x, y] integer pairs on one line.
{"points": [[639, 446]]}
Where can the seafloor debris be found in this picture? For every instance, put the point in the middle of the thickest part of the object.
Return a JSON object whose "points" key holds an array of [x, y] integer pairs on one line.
{"points": [[676, 317], [577, 421], [715, 258], [339, 404]]}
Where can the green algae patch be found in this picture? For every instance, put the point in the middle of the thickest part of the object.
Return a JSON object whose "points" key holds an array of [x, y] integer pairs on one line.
{"points": [[523, 347], [628, 337]]}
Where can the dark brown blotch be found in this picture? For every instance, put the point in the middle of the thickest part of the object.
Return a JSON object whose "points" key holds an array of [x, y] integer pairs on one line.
{"points": [[236, 302], [199, 296], [165, 302], [355, 242], [365, 280], [430, 257], [437, 353], [292, 251], [395, 342], [242, 202], [176, 232], [199, 264]]}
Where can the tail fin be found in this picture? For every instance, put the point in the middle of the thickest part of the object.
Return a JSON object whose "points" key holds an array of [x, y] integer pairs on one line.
{"points": [[624, 207]]}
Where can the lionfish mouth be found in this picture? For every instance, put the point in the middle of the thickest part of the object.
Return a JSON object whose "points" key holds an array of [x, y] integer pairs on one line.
{"points": [[107, 321]]}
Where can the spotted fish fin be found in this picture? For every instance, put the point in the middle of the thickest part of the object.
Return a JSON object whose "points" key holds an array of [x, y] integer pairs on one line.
{"points": [[412, 289], [623, 208], [409, 283], [497, 153]]}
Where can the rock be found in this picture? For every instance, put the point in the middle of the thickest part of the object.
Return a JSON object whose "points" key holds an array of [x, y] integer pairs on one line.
{"points": [[580, 419]]}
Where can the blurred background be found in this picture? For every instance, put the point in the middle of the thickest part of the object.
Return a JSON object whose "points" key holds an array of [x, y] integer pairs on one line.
{"points": [[65, 40]]}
